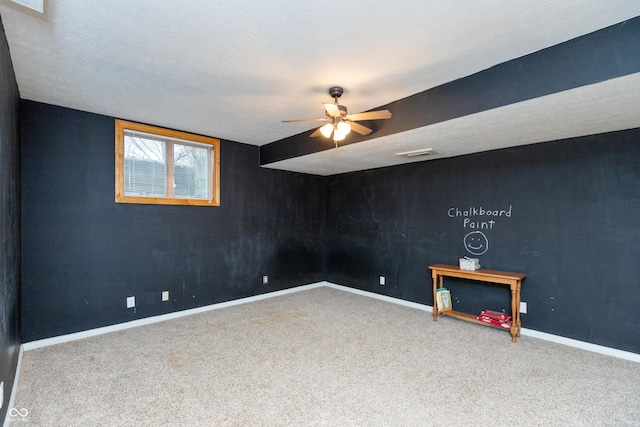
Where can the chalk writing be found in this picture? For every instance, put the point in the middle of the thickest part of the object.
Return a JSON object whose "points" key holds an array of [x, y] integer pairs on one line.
{"points": [[476, 243], [478, 224], [478, 218], [478, 211]]}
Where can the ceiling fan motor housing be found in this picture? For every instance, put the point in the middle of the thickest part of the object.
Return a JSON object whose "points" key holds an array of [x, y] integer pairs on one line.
{"points": [[336, 92]]}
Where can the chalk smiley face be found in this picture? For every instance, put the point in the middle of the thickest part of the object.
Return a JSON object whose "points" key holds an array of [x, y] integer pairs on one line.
{"points": [[476, 243]]}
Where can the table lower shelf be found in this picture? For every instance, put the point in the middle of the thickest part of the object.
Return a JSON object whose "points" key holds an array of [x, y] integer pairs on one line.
{"points": [[473, 319]]}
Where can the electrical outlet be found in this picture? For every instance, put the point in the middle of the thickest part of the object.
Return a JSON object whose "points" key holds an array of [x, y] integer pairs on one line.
{"points": [[165, 295], [382, 280], [131, 302], [265, 280], [523, 307]]}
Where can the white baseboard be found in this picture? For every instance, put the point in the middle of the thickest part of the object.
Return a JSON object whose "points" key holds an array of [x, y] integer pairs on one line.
{"points": [[381, 297], [634, 357], [14, 389], [621, 354], [627, 355], [161, 318]]}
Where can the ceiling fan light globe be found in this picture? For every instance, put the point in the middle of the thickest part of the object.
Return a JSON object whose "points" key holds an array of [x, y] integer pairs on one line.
{"points": [[338, 136], [343, 128], [326, 130]]}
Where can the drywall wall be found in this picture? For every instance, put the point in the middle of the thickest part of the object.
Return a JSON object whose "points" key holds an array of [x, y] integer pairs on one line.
{"points": [[84, 254], [9, 224], [564, 212]]}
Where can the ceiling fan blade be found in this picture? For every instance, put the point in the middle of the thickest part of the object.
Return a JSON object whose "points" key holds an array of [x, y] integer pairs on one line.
{"points": [[371, 115], [332, 109], [357, 127], [316, 133], [306, 120]]}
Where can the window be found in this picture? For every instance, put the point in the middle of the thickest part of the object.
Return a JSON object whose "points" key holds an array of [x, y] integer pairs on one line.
{"points": [[166, 167]]}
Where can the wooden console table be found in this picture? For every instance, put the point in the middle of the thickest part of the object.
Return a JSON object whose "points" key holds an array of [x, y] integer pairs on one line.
{"points": [[513, 280]]}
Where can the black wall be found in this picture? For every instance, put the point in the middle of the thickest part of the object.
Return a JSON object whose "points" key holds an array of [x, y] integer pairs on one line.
{"points": [[570, 222], [9, 223], [83, 254], [573, 228]]}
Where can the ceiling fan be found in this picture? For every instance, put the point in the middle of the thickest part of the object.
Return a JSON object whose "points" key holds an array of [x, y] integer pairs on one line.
{"points": [[339, 122]]}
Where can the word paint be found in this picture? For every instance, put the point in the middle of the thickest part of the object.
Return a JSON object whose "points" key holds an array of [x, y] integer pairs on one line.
{"points": [[481, 225]]}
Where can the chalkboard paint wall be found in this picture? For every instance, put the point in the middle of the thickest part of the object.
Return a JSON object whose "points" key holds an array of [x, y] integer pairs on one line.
{"points": [[83, 254], [9, 223], [566, 213]]}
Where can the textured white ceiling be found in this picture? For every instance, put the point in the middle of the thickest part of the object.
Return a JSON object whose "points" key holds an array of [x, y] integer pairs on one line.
{"points": [[234, 70]]}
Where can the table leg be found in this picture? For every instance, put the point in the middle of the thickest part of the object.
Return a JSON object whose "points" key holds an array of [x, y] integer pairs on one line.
{"points": [[514, 314], [441, 285], [435, 304], [518, 306]]}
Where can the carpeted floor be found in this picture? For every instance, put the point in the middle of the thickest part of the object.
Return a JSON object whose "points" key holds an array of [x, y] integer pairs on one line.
{"points": [[322, 357]]}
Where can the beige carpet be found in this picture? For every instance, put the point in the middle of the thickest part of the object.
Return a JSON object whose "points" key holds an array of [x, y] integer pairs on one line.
{"points": [[322, 357]]}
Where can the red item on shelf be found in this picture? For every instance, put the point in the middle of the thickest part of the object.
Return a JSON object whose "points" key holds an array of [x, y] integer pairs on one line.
{"points": [[498, 318]]}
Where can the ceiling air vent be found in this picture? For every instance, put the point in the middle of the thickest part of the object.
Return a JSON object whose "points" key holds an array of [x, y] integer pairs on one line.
{"points": [[420, 152]]}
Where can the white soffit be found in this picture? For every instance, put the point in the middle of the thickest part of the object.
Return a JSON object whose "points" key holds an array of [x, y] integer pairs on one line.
{"points": [[37, 5], [604, 107]]}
